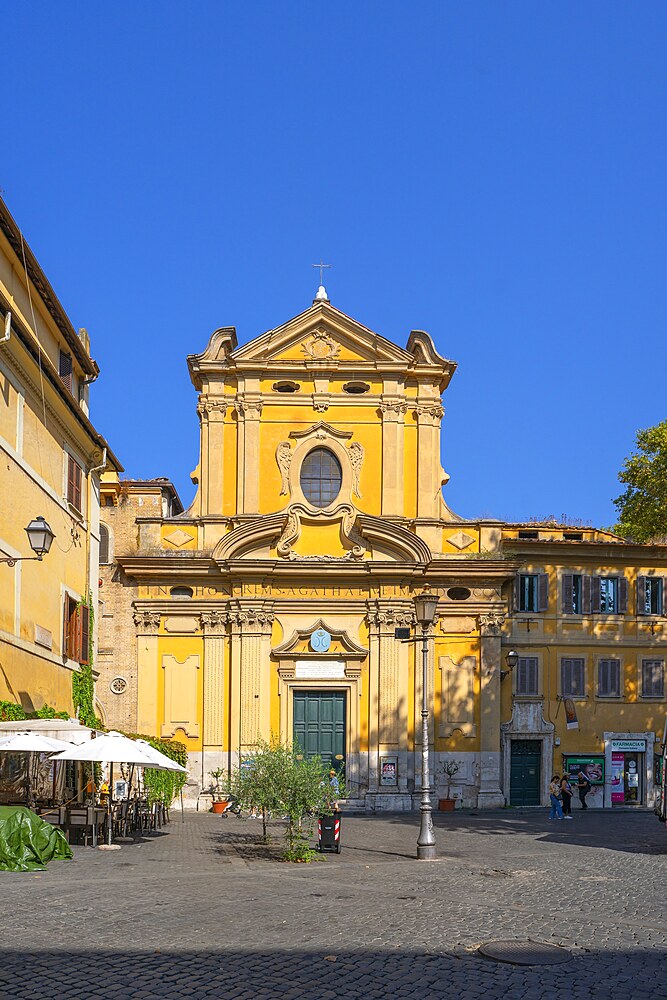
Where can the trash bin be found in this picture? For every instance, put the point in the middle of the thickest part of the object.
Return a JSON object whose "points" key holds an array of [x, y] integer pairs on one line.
{"points": [[328, 834]]}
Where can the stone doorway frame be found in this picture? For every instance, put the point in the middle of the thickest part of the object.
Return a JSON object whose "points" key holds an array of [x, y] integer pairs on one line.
{"points": [[527, 723]]}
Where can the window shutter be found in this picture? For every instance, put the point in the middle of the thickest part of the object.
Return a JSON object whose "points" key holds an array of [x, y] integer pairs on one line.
{"points": [[104, 544], [542, 592], [622, 595], [65, 369], [595, 595], [71, 642], [567, 594], [641, 595], [586, 588], [84, 616], [661, 601], [70, 479], [517, 593]]}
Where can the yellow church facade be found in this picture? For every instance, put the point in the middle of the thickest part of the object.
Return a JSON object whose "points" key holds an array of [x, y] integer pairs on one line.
{"points": [[270, 606]]}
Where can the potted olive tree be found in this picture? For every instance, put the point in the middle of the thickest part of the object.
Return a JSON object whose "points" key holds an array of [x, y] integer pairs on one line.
{"points": [[219, 799], [449, 768]]}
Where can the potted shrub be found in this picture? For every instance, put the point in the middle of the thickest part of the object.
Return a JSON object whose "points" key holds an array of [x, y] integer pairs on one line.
{"points": [[219, 799], [449, 768]]}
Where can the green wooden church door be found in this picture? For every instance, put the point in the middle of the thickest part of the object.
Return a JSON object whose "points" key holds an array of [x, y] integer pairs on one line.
{"points": [[319, 725]]}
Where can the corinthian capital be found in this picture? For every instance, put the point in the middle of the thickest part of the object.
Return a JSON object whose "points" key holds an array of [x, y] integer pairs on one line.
{"points": [[491, 623], [252, 619], [146, 621], [212, 621]]}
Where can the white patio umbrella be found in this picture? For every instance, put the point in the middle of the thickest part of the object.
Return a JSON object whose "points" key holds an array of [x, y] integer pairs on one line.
{"points": [[31, 743], [111, 748], [166, 763]]}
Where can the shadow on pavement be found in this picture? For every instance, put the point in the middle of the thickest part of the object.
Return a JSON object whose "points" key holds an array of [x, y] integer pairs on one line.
{"points": [[336, 974], [628, 832]]}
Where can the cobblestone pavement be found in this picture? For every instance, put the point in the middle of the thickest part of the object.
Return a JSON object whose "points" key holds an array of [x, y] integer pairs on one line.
{"points": [[198, 912]]}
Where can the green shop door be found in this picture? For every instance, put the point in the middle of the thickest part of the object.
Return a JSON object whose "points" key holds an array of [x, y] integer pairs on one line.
{"points": [[525, 772], [319, 725]]}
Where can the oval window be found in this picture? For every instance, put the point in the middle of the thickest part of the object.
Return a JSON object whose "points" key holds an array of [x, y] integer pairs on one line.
{"points": [[184, 593], [286, 386], [458, 593], [356, 388], [321, 477]]}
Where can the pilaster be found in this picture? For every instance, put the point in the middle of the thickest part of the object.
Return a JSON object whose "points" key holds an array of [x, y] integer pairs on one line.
{"points": [[393, 411], [251, 652], [211, 412], [147, 624], [490, 793], [249, 409], [213, 625]]}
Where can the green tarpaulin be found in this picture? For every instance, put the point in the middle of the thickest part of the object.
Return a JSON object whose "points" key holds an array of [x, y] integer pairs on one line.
{"points": [[27, 843]]}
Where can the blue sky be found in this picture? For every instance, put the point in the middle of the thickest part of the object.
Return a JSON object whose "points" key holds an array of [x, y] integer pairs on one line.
{"points": [[493, 173]]}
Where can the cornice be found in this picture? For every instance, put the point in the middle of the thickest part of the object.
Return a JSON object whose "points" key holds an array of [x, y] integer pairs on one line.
{"points": [[43, 287], [64, 397]]}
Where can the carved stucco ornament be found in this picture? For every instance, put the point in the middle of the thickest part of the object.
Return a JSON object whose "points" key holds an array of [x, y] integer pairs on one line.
{"points": [[356, 453], [321, 346], [349, 533], [284, 460]]}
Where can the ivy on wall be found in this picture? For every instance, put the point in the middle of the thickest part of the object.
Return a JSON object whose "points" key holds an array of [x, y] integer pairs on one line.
{"points": [[83, 685], [163, 786]]}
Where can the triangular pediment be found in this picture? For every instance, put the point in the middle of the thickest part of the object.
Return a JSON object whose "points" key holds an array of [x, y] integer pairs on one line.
{"points": [[320, 334]]}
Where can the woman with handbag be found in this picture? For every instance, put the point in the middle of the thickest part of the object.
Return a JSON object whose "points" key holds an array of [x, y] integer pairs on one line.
{"points": [[554, 795]]}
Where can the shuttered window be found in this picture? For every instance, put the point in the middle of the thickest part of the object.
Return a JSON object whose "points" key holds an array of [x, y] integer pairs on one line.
{"points": [[573, 677], [571, 594], [74, 477], [608, 595], [104, 544], [76, 630], [653, 678], [650, 590], [65, 369], [531, 592], [609, 678], [527, 675]]}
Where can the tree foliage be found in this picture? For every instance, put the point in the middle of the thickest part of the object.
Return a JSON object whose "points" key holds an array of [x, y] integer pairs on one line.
{"points": [[642, 507], [280, 781]]}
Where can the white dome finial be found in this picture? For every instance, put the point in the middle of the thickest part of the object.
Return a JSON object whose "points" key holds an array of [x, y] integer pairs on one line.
{"points": [[321, 291]]}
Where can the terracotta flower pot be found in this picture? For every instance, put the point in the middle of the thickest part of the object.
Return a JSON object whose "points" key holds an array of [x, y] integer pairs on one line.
{"points": [[446, 805], [219, 807]]}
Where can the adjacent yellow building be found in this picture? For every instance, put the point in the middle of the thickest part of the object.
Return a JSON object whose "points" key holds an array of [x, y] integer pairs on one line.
{"points": [[51, 458], [270, 605]]}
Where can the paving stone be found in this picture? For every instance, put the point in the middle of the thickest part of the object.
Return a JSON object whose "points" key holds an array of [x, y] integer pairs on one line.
{"points": [[171, 917]]}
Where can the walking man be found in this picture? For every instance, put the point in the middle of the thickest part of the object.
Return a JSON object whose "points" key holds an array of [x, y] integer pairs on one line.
{"points": [[584, 786]]}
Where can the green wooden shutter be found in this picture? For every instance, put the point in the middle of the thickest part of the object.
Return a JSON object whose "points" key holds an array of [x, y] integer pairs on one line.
{"points": [[542, 592]]}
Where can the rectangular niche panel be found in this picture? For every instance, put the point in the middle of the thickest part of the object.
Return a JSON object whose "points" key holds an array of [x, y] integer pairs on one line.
{"points": [[180, 696], [458, 696]]}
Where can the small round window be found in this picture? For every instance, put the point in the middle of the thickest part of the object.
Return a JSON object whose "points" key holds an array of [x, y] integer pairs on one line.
{"points": [[458, 593], [321, 477]]}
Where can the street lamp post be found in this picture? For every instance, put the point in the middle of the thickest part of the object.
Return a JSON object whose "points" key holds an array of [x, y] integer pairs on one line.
{"points": [[425, 609], [40, 537]]}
